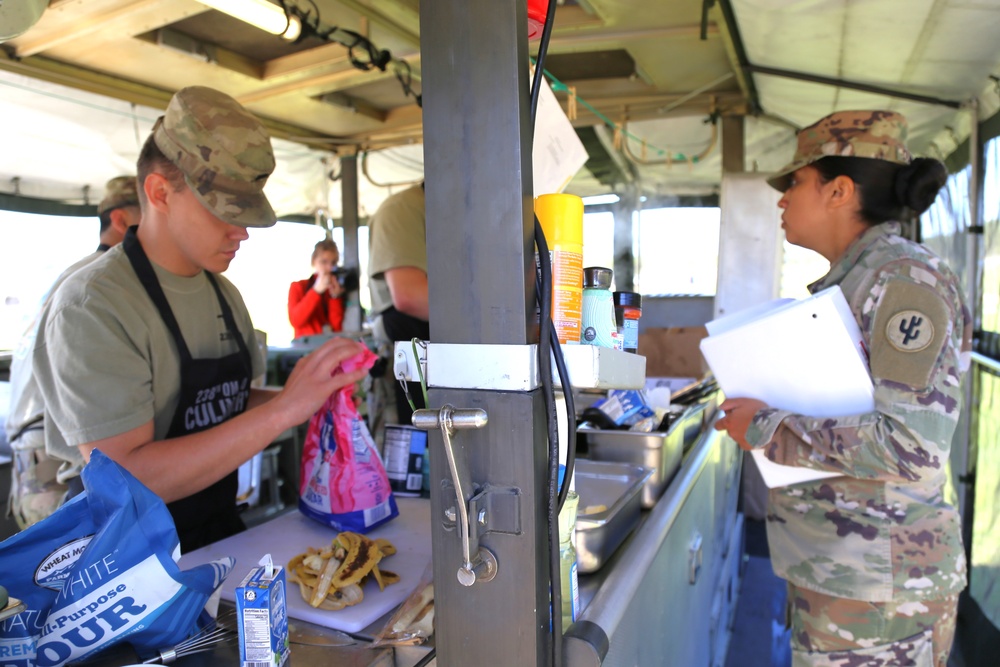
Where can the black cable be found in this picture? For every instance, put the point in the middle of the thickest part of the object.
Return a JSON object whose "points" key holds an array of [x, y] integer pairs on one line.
{"points": [[543, 287], [543, 47], [426, 660], [548, 345], [571, 420], [373, 58]]}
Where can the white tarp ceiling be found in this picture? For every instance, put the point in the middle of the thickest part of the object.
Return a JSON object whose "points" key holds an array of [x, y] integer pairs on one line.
{"points": [[56, 140], [63, 144]]}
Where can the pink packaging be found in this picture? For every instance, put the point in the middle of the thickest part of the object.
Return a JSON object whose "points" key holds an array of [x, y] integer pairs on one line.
{"points": [[343, 483]]}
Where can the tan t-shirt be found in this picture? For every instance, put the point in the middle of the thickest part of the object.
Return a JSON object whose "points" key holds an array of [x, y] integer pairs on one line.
{"points": [[397, 237], [26, 403], [107, 364]]}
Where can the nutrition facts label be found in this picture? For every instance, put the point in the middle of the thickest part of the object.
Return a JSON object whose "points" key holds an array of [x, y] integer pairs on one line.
{"points": [[256, 638]]}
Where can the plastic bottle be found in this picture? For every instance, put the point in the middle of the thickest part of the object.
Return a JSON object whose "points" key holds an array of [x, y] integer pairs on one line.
{"points": [[599, 326], [561, 217], [567, 560], [628, 310]]}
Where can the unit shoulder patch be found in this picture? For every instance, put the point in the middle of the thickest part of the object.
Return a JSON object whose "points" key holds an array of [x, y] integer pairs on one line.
{"points": [[908, 334], [910, 331]]}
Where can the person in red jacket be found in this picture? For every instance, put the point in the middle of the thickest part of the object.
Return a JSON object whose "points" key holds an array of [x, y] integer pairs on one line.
{"points": [[315, 305]]}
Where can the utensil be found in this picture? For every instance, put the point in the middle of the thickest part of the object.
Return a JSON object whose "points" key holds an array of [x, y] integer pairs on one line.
{"points": [[206, 639]]}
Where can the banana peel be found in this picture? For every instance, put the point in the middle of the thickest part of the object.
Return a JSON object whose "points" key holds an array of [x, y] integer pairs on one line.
{"points": [[331, 578], [362, 555]]}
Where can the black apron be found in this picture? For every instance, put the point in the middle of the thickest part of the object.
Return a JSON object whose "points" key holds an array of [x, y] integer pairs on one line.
{"points": [[212, 391]]}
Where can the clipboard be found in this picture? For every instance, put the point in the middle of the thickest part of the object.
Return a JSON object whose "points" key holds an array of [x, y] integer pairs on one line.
{"points": [[805, 356]]}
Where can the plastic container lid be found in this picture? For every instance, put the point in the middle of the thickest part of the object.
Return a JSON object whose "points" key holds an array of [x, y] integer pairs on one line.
{"points": [[597, 276], [633, 299]]}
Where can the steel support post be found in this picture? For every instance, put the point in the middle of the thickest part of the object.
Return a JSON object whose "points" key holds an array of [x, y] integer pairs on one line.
{"points": [[966, 436], [349, 219], [477, 158]]}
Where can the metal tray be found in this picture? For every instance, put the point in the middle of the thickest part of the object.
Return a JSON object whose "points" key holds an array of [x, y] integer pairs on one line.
{"points": [[610, 495], [659, 451]]}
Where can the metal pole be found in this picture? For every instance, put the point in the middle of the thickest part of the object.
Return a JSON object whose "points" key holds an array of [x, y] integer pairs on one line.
{"points": [[480, 252], [349, 218], [965, 434]]}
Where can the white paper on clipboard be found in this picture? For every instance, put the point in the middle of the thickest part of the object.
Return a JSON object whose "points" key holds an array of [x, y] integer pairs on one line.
{"points": [[806, 356]]}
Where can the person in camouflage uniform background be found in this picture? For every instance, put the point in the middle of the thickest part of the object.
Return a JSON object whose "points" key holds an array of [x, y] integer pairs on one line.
{"points": [[874, 558], [38, 476]]}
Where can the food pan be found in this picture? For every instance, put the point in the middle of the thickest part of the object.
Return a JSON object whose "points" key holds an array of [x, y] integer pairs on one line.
{"points": [[659, 451], [610, 495]]}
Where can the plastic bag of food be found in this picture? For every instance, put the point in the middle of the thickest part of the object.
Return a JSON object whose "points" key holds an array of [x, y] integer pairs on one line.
{"points": [[343, 482], [100, 570], [413, 622]]}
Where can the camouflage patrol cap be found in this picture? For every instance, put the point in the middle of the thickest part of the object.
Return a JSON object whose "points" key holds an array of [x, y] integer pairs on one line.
{"points": [[118, 192], [223, 151], [880, 135]]}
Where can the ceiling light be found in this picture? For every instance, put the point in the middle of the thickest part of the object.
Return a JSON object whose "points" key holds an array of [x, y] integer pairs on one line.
{"points": [[600, 199], [262, 14]]}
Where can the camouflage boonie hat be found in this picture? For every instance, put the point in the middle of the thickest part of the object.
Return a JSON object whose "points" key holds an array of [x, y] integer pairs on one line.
{"points": [[118, 192], [880, 135], [223, 151]]}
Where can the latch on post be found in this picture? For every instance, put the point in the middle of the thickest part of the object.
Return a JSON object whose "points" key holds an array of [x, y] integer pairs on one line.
{"points": [[483, 566]]}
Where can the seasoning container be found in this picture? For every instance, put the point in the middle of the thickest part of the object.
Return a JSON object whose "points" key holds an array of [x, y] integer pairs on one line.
{"points": [[628, 310], [561, 218], [599, 326]]}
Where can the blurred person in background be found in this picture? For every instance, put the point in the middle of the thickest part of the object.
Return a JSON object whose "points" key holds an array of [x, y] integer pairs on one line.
{"points": [[316, 304], [38, 475]]}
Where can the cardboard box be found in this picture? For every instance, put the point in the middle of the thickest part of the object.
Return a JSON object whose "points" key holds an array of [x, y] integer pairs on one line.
{"points": [[262, 617], [673, 352]]}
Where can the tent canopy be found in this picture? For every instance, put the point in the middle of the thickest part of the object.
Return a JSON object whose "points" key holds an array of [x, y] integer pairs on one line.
{"points": [[82, 87]]}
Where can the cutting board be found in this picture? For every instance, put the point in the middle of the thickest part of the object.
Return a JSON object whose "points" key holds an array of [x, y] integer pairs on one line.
{"points": [[292, 533]]}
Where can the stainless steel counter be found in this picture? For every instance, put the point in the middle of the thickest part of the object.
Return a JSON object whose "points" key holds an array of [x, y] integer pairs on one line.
{"points": [[651, 602]]}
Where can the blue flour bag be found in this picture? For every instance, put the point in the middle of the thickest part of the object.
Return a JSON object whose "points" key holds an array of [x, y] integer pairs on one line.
{"points": [[112, 578], [36, 562]]}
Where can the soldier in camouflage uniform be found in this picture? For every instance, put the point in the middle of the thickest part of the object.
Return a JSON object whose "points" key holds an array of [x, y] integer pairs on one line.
{"points": [[38, 477], [148, 354], [874, 558]]}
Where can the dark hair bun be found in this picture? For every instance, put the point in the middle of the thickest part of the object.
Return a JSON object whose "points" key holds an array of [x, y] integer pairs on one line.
{"points": [[917, 184]]}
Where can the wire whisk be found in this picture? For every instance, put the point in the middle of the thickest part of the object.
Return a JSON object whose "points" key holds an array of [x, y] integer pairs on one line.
{"points": [[205, 639]]}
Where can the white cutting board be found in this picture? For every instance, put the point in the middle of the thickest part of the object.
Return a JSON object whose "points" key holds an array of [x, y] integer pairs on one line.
{"points": [[292, 533]]}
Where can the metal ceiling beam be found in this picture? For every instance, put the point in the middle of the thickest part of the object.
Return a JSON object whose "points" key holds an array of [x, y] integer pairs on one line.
{"points": [[71, 22], [566, 40], [737, 53], [854, 85]]}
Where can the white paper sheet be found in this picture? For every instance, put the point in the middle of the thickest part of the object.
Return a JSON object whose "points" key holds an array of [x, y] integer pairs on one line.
{"points": [[557, 152], [806, 357]]}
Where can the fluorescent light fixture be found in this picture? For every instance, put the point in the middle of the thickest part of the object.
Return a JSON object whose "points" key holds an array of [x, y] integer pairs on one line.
{"points": [[600, 199], [262, 14]]}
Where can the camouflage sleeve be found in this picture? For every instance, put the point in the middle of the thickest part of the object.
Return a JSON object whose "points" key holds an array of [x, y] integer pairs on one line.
{"points": [[919, 339]]}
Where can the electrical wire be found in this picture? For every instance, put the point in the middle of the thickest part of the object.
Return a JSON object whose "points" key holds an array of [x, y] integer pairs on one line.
{"points": [[364, 170], [548, 346], [361, 51]]}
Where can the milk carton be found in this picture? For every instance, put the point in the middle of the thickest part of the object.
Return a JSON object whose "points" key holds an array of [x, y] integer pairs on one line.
{"points": [[261, 616]]}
